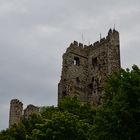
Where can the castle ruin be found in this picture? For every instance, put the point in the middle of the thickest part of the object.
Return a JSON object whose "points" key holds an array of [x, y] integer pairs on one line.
{"points": [[17, 113], [85, 68], [84, 72], [29, 110]]}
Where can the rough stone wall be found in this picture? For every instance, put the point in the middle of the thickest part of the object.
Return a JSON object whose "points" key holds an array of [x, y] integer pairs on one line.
{"points": [[16, 113], [30, 109], [74, 73], [85, 68]]}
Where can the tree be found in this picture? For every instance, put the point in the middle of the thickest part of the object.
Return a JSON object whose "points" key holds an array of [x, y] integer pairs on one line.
{"points": [[119, 117], [70, 104]]}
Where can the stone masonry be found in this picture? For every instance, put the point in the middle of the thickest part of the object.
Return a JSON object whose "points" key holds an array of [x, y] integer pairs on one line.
{"points": [[86, 67], [30, 109], [17, 113]]}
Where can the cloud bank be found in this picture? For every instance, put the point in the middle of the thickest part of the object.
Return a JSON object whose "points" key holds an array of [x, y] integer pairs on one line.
{"points": [[34, 34]]}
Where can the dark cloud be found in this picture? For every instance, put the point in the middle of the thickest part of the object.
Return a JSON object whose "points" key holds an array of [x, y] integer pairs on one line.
{"points": [[34, 34]]}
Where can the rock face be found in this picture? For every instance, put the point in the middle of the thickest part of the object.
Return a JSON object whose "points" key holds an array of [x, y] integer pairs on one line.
{"points": [[85, 68], [17, 114]]}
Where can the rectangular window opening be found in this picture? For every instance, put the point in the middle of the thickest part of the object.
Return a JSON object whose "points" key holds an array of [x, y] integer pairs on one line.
{"points": [[94, 61], [76, 61], [77, 80], [64, 93]]}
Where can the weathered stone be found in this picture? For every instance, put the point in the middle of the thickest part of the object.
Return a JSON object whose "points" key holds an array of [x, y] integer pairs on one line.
{"points": [[84, 70], [16, 111], [30, 109], [15, 115]]}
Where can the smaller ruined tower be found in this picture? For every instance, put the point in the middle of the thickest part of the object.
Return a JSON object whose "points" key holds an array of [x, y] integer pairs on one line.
{"points": [[16, 113], [30, 109], [16, 109]]}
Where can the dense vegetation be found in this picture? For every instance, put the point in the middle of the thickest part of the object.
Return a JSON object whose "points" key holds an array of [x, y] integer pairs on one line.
{"points": [[117, 119]]}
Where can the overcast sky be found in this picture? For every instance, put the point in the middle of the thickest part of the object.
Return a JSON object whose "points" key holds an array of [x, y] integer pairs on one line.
{"points": [[35, 33]]}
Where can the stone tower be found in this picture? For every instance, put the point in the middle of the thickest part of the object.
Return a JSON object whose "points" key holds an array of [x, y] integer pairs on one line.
{"points": [[16, 109], [30, 109], [17, 114], [85, 68]]}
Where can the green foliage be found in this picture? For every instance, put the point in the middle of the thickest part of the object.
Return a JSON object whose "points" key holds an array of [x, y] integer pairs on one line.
{"points": [[70, 104], [47, 112], [117, 119], [62, 125]]}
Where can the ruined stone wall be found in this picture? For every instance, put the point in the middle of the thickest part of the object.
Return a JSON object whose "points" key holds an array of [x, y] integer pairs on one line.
{"points": [[16, 113], [30, 109], [85, 68], [74, 73]]}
